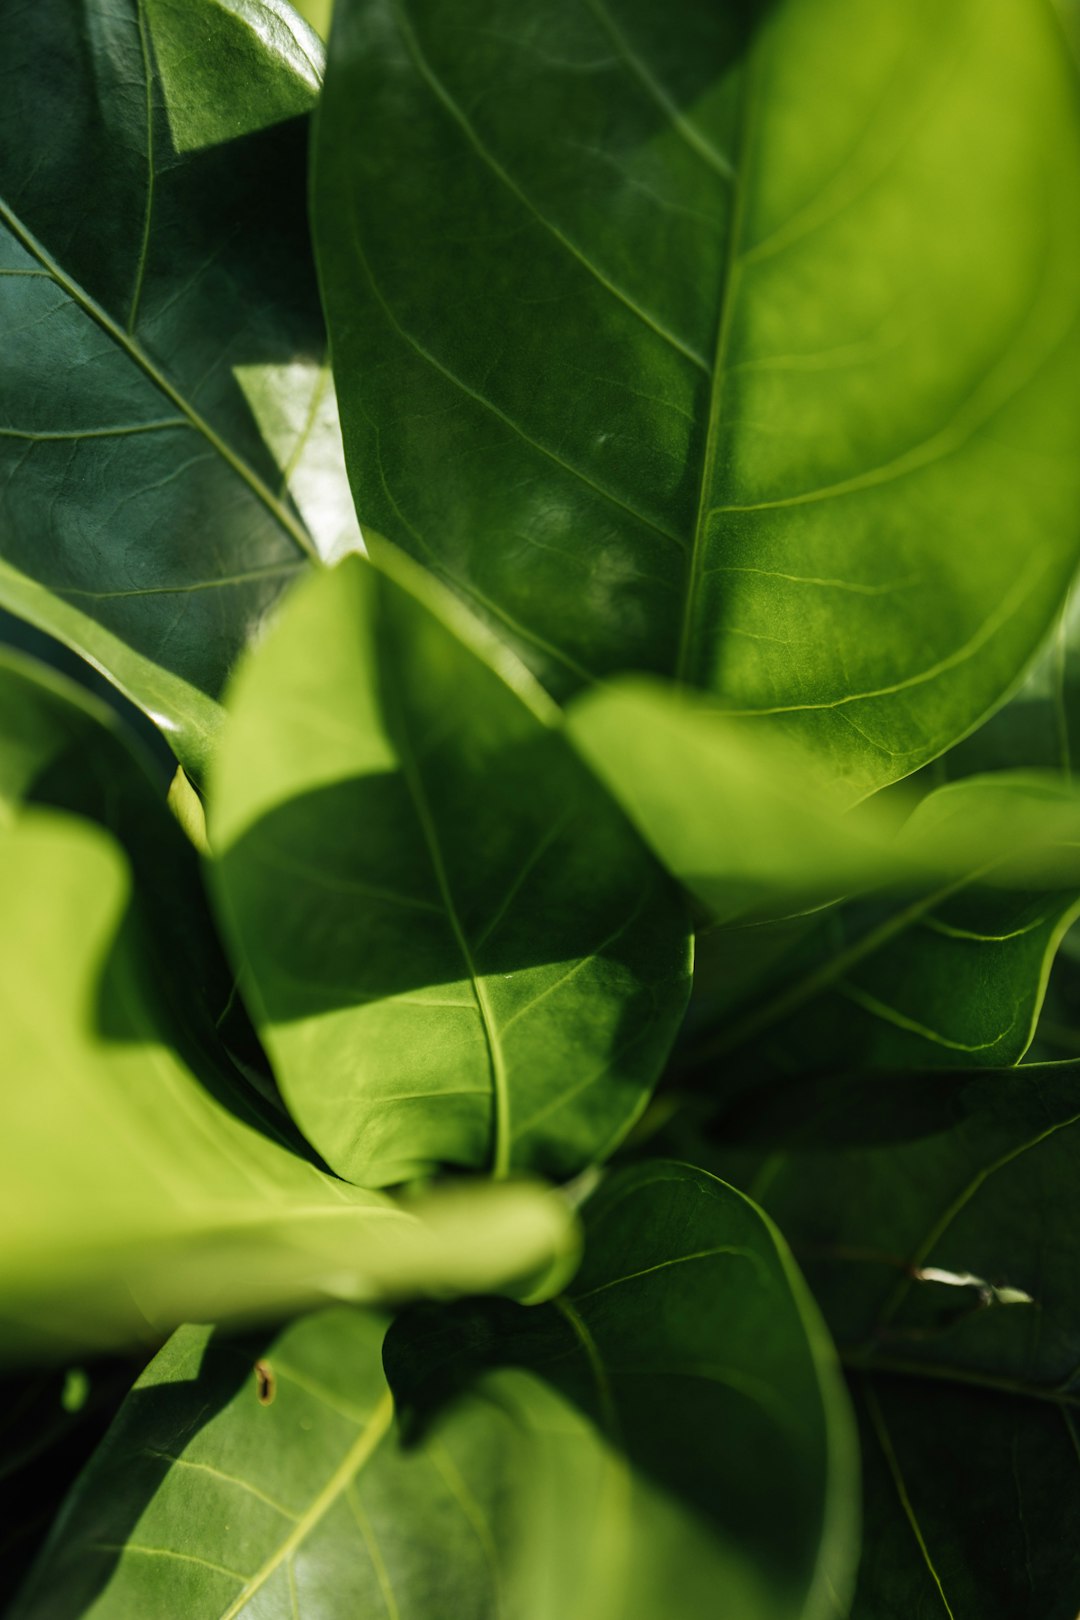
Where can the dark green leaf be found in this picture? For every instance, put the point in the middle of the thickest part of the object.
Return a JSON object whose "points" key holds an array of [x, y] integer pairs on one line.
{"points": [[938, 1219], [690, 1343], [956, 976], [152, 299], [733, 342], [61, 748], [454, 946]]}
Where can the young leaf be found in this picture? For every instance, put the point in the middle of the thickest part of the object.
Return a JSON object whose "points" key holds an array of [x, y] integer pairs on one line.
{"points": [[145, 520], [546, 1488], [454, 946], [744, 340], [938, 1218], [135, 1194]]}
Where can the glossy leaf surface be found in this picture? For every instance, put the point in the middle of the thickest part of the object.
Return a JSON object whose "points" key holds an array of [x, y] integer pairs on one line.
{"points": [[454, 946], [691, 311], [324, 1504], [136, 1193], [937, 1218], [143, 518]]}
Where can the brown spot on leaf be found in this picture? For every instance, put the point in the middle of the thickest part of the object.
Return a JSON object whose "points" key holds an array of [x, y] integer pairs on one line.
{"points": [[265, 1382]]}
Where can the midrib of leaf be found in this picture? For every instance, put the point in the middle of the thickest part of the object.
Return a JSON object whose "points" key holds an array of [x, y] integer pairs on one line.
{"points": [[138, 356], [728, 293], [148, 211], [358, 1455], [500, 1166], [884, 1440], [318, 394]]}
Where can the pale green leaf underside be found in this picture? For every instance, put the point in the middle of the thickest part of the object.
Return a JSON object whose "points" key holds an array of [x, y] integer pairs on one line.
{"points": [[455, 947], [754, 361], [136, 1193]]}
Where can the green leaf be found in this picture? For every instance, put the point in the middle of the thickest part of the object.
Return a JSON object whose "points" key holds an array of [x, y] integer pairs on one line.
{"points": [[546, 1488], [317, 13], [969, 1507], [956, 976], [689, 1342], [937, 1218], [61, 748], [232, 67], [453, 945], [794, 442], [747, 821], [136, 1193], [145, 520]]}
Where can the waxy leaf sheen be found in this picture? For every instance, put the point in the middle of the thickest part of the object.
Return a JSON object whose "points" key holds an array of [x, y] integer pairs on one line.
{"points": [[143, 518], [736, 343]]}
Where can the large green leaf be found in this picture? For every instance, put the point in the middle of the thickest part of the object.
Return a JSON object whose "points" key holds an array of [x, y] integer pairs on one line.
{"points": [[135, 1193], [545, 1488], [147, 293], [454, 946], [733, 342], [937, 1218]]}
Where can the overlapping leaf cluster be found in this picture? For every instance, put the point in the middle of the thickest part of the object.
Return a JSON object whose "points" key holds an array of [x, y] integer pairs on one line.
{"points": [[563, 1107]]}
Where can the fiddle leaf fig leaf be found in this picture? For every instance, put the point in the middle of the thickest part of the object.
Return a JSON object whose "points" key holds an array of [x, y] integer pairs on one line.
{"points": [[326, 1501], [136, 1191], [802, 295], [454, 946], [144, 519]]}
